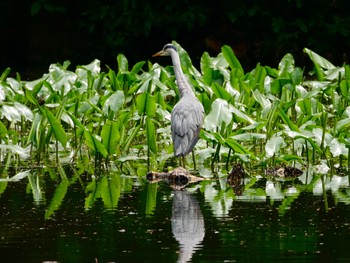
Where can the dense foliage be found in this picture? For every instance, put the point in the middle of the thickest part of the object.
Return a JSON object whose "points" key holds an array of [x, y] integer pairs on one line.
{"points": [[265, 116], [259, 30]]}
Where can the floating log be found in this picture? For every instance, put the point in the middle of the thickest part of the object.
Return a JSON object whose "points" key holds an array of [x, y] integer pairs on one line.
{"points": [[177, 178]]}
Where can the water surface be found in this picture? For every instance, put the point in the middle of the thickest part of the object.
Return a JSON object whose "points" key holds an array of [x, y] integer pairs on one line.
{"points": [[126, 219]]}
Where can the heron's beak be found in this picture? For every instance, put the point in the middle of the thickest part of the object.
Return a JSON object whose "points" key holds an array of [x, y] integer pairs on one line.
{"points": [[158, 54]]}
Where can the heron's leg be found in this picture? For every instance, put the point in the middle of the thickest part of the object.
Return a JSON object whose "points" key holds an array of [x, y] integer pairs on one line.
{"points": [[194, 160], [182, 161]]}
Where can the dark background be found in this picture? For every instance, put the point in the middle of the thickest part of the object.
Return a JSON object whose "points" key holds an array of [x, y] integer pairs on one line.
{"points": [[36, 33]]}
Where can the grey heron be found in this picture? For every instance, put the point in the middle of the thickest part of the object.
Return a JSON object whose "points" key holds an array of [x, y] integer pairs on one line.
{"points": [[187, 115]]}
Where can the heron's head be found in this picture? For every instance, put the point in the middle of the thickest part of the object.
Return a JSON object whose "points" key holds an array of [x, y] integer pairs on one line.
{"points": [[166, 50]]}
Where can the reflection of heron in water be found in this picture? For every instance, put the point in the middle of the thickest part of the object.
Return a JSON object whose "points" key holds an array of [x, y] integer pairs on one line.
{"points": [[187, 224]]}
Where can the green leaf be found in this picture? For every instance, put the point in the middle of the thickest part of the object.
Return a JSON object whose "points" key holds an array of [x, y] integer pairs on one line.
{"points": [[320, 63], [220, 92], [231, 58], [3, 130], [220, 113], [274, 145], [206, 68], [137, 67], [57, 128], [345, 88], [287, 121], [122, 63], [94, 144], [317, 59], [110, 136], [238, 148], [114, 102], [151, 136], [4, 74], [146, 104], [286, 66]]}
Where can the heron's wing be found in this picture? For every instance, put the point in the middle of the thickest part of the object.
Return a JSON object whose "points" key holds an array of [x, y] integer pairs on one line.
{"points": [[186, 122]]}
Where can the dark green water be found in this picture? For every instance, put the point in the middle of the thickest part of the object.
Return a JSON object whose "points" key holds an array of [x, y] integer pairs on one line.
{"points": [[270, 221]]}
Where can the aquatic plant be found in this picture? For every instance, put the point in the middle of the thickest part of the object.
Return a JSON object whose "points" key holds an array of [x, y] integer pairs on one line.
{"points": [[267, 116]]}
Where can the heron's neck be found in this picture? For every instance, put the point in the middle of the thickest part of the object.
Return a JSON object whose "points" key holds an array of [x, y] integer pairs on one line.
{"points": [[182, 84]]}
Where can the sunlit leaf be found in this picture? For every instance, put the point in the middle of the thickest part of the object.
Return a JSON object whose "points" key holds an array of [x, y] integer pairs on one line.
{"points": [[286, 65], [317, 59], [114, 102], [337, 148], [18, 177], [122, 63], [274, 145], [220, 113], [22, 152]]}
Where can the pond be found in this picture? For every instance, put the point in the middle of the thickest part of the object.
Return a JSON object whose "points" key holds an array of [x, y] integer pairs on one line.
{"points": [[123, 218]]}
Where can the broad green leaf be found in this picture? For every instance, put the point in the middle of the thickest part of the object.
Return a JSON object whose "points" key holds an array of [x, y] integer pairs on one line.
{"points": [[146, 104], [93, 68], [95, 144], [274, 145], [337, 148], [110, 136], [220, 113], [137, 67], [320, 63], [57, 128], [231, 58], [122, 63], [317, 59], [114, 102], [287, 121], [206, 68], [345, 88], [343, 125], [241, 115], [238, 148], [286, 65], [22, 152], [220, 92], [18, 177]]}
